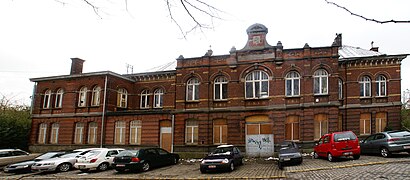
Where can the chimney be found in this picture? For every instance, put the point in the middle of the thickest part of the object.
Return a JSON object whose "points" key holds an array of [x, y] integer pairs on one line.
{"points": [[376, 49], [76, 66]]}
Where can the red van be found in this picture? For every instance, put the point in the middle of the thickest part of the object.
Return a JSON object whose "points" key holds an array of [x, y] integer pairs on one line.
{"points": [[337, 144]]}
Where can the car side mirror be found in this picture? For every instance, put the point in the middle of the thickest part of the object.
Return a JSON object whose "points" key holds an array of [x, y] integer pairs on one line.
{"points": [[316, 144]]}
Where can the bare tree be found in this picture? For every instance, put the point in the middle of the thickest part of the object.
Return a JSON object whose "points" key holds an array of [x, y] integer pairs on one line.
{"points": [[365, 18]]}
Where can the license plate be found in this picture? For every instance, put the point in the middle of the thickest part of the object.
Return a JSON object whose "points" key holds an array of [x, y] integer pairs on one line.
{"points": [[347, 153], [406, 147], [81, 166], [286, 159], [211, 166], [120, 165]]}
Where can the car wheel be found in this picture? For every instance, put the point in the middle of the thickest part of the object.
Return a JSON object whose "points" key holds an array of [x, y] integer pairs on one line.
{"points": [[280, 165], [175, 160], [385, 152], [84, 170], [102, 167], [232, 166], [64, 167], [301, 160], [330, 157], [355, 157], [145, 166], [241, 162], [202, 170], [315, 155]]}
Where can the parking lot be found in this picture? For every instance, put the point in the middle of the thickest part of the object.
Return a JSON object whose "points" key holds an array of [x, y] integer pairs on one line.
{"points": [[252, 169]]}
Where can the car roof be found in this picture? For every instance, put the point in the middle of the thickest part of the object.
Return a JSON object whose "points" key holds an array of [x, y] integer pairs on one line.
{"points": [[225, 145], [2, 150]]}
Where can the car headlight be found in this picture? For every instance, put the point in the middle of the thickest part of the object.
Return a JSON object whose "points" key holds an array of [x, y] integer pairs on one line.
{"points": [[48, 164], [203, 162], [25, 166], [225, 161]]}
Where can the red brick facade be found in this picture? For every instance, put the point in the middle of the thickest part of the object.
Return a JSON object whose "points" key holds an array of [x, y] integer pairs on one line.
{"points": [[341, 112]]}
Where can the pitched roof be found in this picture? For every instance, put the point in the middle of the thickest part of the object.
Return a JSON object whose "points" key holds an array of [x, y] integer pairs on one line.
{"points": [[350, 51]]}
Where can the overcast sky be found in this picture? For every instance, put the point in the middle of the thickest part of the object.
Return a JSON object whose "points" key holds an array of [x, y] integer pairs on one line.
{"points": [[38, 38]]}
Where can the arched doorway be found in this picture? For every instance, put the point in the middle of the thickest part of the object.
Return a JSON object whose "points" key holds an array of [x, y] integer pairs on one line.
{"points": [[259, 136]]}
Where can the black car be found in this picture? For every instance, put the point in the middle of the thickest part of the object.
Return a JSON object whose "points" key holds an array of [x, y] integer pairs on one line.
{"points": [[224, 157], [386, 143], [25, 166], [289, 154], [143, 159]]}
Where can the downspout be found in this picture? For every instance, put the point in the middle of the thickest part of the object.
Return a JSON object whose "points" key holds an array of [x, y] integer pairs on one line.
{"points": [[172, 128], [345, 99], [103, 113], [33, 98]]}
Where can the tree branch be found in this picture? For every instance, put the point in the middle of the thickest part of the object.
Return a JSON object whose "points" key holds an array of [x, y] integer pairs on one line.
{"points": [[95, 8], [367, 19]]}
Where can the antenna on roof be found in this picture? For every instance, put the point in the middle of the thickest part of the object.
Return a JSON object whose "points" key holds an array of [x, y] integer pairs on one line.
{"points": [[129, 67], [372, 43]]}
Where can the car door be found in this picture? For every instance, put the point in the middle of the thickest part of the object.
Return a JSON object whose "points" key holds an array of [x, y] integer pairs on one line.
{"points": [[164, 157], [237, 155], [318, 147], [153, 157], [111, 155], [366, 145], [326, 145], [378, 141]]}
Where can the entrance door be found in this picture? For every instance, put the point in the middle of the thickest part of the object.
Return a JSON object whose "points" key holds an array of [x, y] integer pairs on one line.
{"points": [[259, 137], [166, 135]]}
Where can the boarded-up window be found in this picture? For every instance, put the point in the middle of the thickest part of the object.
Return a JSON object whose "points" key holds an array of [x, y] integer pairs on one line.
{"points": [[381, 121], [292, 128], [365, 123], [135, 132], [92, 133], [191, 132], [78, 135], [42, 133], [54, 133], [119, 137], [320, 125], [220, 131]]}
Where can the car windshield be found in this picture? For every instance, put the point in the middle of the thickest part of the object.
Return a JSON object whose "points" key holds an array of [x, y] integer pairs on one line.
{"points": [[128, 153], [71, 154], [399, 134], [286, 145], [48, 155], [92, 153], [344, 136], [223, 150]]}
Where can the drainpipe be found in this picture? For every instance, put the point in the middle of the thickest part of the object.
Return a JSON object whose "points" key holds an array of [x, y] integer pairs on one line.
{"points": [[103, 113], [172, 128], [33, 98]]}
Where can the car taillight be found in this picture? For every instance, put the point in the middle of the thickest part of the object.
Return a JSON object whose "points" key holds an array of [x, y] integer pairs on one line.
{"points": [[333, 146], [135, 159], [393, 139], [93, 160]]}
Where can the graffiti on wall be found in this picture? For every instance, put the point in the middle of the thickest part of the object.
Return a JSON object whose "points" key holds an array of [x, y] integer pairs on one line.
{"points": [[258, 141]]}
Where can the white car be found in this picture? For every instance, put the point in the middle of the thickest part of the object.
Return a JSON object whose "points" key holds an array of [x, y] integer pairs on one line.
{"points": [[62, 163], [99, 159]]}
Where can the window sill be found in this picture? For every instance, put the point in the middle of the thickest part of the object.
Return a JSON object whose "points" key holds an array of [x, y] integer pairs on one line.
{"points": [[318, 95], [160, 107], [262, 98], [367, 97], [192, 101], [381, 97], [221, 100], [290, 97]]}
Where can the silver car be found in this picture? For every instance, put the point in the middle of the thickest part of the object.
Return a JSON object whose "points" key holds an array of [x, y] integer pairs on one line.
{"points": [[386, 143], [60, 164]]}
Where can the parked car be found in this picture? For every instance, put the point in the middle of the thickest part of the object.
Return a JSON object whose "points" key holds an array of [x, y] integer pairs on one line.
{"points": [[99, 159], [8, 156], [224, 157], [289, 154], [62, 163], [386, 143], [25, 166], [143, 159], [337, 144]]}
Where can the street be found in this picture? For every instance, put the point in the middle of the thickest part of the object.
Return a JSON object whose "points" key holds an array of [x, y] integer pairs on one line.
{"points": [[367, 167]]}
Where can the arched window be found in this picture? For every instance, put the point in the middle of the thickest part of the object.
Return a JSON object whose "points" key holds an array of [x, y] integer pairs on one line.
{"points": [[47, 99], [221, 88], [42, 133], [292, 81], [92, 133], [192, 89], [158, 98], [144, 99], [381, 86], [96, 96], [78, 134], [82, 97], [365, 86], [59, 98], [340, 83], [320, 81], [54, 133], [135, 132], [119, 137], [122, 98], [257, 85]]}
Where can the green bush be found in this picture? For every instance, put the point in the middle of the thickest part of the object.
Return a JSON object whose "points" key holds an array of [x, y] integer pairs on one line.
{"points": [[15, 125]]}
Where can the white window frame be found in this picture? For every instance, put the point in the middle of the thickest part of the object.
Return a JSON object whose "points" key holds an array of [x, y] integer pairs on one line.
{"points": [[59, 98], [82, 97], [192, 89], [320, 82], [119, 129], [92, 133], [144, 103], [340, 90], [96, 96], [47, 99], [54, 133], [122, 98], [191, 125], [381, 86], [79, 131], [158, 97], [220, 86], [43, 132], [365, 86], [291, 78], [135, 126], [257, 80]]}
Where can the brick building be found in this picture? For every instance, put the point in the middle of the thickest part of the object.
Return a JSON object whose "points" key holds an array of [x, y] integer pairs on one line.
{"points": [[254, 98]]}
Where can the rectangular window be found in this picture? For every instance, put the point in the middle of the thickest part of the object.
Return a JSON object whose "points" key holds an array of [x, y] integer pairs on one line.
{"points": [[320, 125], [92, 133], [42, 134], [135, 132], [220, 132], [78, 136], [381, 121], [292, 128], [191, 136], [365, 123], [249, 89], [119, 137], [316, 86], [296, 87], [54, 133]]}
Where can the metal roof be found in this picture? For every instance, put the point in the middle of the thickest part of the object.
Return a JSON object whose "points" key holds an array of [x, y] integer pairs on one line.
{"points": [[350, 51]]}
